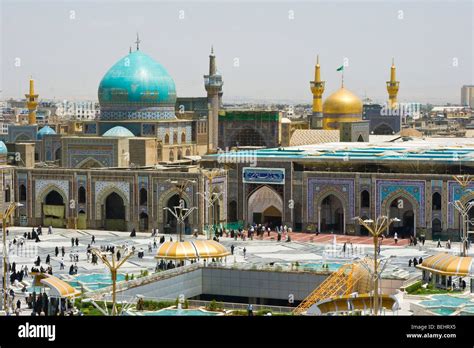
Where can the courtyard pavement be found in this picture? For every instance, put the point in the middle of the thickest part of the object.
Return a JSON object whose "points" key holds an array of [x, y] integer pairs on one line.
{"points": [[304, 247]]}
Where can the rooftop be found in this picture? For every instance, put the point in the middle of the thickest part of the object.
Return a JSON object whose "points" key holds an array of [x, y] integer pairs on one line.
{"points": [[384, 148]]}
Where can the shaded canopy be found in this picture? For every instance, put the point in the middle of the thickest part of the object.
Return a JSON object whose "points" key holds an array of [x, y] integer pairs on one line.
{"points": [[347, 303], [58, 287], [448, 265], [190, 250]]}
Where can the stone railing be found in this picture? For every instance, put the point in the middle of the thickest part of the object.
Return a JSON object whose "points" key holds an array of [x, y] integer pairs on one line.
{"points": [[124, 285]]}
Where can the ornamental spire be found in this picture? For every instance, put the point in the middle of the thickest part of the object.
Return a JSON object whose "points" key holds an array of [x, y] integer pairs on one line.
{"points": [[138, 42]]}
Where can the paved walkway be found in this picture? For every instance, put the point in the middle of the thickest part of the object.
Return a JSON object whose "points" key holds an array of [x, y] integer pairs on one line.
{"points": [[328, 238], [304, 247]]}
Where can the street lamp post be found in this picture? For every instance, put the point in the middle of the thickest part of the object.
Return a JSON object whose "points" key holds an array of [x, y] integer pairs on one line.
{"points": [[463, 210], [180, 213], [113, 267], [210, 197], [181, 187], [376, 228], [210, 200], [5, 216], [464, 181]]}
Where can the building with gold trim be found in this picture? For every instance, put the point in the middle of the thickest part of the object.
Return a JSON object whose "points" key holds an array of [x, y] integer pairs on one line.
{"points": [[120, 171]]}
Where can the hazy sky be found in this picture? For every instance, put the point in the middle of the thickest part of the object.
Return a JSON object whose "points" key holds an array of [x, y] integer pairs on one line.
{"points": [[275, 43]]}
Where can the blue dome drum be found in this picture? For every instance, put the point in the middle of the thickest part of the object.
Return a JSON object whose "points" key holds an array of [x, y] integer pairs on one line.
{"points": [[118, 131], [3, 148], [137, 88], [46, 130]]}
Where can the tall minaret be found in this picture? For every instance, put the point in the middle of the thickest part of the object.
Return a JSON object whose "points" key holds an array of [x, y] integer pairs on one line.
{"points": [[213, 83], [392, 87], [32, 103], [317, 88]]}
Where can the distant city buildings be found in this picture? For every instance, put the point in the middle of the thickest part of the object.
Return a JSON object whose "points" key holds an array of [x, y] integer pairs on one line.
{"points": [[467, 96]]}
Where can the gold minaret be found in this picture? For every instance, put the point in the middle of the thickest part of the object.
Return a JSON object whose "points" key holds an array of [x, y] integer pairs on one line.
{"points": [[32, 103], [317, 88], [392, 87]]}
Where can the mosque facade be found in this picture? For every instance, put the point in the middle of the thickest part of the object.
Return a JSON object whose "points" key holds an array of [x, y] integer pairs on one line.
{"points": [[143, 155], [323, 187], [124, 169]]}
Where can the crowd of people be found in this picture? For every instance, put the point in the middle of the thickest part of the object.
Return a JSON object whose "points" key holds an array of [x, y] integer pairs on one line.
{"points": [[257, 231], [415, 262]]}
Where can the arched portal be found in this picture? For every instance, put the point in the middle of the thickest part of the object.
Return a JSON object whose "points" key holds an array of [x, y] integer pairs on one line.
{"points": [[363, 230], [81, 195], [332, 215], [436, 229], [81, 220], [143, 222], [247, 137], [170, 222], [7, 194], [258, 206], [217, 212], [297, 217], [89, 163], [143, 196], [57, 154], [365, 199], [22, 137], [383, 129], [115, 213], [22, 193], [272, 216], [54, 209], [232, 211], [402, 209], [436, 201]]}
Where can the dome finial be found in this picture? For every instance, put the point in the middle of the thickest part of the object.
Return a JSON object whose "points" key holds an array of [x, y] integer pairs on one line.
{"points": [[212, 50], [130, 50], [138, 42]]}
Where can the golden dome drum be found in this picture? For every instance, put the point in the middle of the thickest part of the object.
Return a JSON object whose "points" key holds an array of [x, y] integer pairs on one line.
{"points": [[341, 106], [342, 101], [190, 250]]}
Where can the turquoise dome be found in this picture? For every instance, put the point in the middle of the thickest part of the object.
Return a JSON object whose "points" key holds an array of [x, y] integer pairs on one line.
{"points": [[118, 131], [3, 148], [44, 131], [136, 83]]}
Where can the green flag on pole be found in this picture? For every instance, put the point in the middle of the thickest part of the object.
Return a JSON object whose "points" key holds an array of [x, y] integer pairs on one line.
{"points": [[341, 68]]}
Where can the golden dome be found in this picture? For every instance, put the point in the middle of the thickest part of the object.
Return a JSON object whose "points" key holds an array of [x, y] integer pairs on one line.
{"points": [[342, 101], [189, 250]]}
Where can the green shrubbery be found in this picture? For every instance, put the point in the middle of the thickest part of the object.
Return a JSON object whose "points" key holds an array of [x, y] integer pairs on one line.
{"points": [[413, 287], [185, 304], [417, 289], [149, 305], [214, 306]]}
